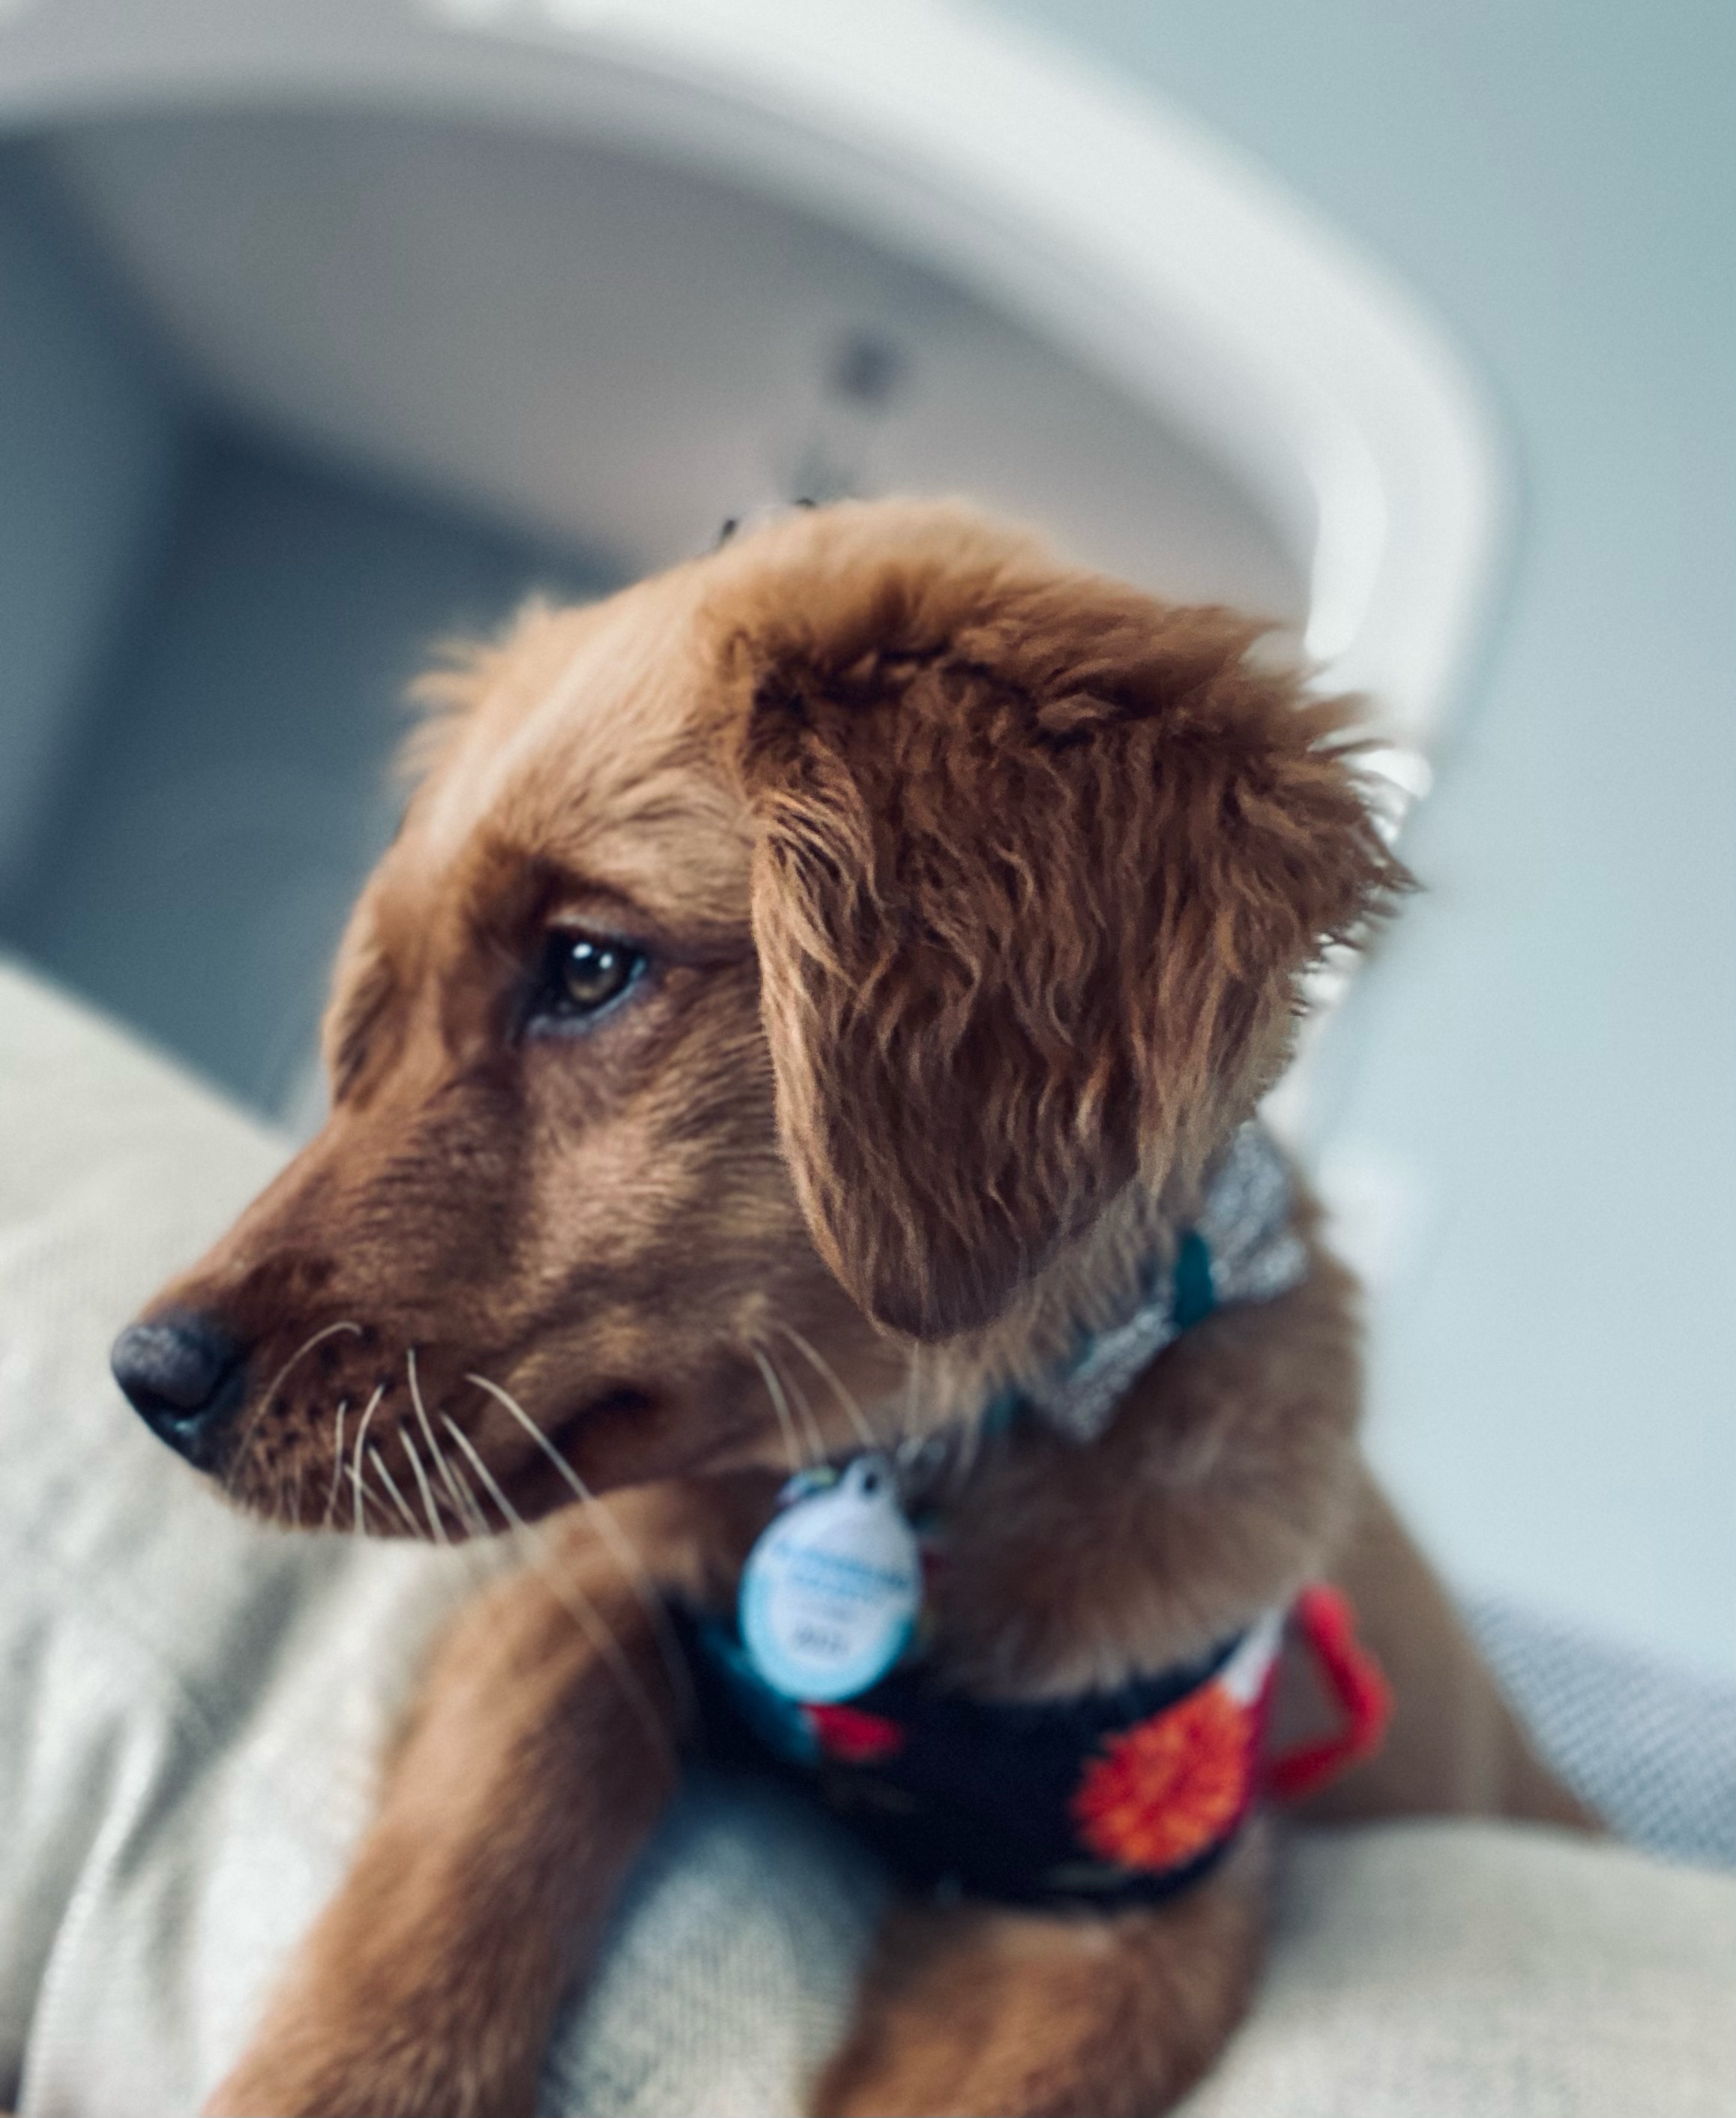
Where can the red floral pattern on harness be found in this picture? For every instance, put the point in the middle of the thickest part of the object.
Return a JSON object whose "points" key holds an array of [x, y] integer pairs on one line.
{"points": [[1072, 1802], [852, 1736], [1158, 1795]]}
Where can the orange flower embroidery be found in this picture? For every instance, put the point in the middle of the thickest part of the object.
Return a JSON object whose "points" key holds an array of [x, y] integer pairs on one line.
{"points": [[1169, 1787]]}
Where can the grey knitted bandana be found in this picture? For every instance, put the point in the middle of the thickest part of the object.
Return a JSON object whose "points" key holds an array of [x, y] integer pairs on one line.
{"points": [[1240, 1248]]}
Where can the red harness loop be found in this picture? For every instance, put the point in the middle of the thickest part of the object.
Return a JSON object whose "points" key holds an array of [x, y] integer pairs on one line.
{"points": [[1326, 1624]]}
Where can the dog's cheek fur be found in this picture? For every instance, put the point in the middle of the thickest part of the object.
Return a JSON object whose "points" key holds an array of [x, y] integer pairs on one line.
{"points": [[662, 1243], [1039, 864]]}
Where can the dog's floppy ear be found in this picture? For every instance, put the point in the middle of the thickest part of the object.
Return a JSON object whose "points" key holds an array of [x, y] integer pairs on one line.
{"points": [[1038, 862]]}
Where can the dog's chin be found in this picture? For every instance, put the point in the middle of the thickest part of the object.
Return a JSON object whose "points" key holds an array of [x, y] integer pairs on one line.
{"points": [[620, 1439]]}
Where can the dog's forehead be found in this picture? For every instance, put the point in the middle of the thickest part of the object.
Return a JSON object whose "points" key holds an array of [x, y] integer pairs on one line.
{"points": [[587, 752], [592, 743]]}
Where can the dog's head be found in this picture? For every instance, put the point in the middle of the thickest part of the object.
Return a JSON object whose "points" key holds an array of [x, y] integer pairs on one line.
{"points": [[781, 966]]}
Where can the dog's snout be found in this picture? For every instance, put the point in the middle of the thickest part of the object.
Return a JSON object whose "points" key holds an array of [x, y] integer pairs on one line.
{"points": [[183, 1376]]}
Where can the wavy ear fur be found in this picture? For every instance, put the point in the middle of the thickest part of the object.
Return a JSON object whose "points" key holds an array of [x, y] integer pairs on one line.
{"points": [[1038, 863]]}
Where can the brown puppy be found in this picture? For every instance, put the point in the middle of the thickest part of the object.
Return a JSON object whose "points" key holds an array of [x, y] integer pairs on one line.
{"points": [[807, 990]]}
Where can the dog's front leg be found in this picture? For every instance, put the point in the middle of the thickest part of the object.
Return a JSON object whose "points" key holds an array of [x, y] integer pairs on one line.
{"points": [[539, 1757], [978, 2011]]}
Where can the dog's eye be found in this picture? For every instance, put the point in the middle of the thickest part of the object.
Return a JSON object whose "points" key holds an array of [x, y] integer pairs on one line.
{"points": [[581, 973]]}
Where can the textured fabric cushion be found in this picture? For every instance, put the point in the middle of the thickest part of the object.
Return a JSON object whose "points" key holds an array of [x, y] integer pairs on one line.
{"points": [[190, 1706], [1652, 1750], [1477, 1971]]}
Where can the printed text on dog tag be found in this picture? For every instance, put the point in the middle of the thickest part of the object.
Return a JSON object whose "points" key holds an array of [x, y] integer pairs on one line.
{"points": [[831, 1590]]}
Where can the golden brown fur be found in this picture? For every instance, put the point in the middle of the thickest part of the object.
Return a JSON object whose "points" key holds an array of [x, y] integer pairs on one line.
{"points": [[976, 891]]}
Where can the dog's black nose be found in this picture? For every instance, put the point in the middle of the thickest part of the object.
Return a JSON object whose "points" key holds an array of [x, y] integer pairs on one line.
{"points": [[184, 1376]]}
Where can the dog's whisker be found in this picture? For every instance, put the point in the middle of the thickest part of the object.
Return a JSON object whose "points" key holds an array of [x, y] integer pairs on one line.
{"points": [[337, 1464], [474, 1519], [908, 1426], [780, 1405], [813, 1440], [480, 1536], [398, 1501], [578, 1606], [427, 1430], [355, 1469], [365, 1499], [437, 1528], [599, 1516], [970, 1448], [853, 1412], [471, 1524]]}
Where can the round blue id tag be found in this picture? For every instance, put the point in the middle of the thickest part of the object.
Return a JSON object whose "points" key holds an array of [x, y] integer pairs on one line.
{"points": [[831, 1589]]}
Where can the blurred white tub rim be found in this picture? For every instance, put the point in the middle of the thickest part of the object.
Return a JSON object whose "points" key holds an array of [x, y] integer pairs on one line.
{"points": [[1109, 224]]}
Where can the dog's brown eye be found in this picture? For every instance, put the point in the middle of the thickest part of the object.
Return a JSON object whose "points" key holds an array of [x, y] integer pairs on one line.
{"points": [[581, 973]]}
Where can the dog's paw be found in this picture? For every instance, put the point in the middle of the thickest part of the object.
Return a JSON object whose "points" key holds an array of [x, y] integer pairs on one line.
{"points": [[1002, 2075], [946, 2080]]}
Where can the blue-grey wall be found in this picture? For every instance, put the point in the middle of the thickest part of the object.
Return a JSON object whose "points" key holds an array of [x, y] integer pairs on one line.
{"points": [[203, 646], [232, 788], [1542, 1086], [89, 436]]}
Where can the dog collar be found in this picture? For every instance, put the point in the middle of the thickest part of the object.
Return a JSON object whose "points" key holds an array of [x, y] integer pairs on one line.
{"points": [[1241, 1247]]}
